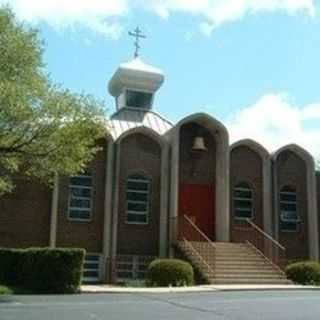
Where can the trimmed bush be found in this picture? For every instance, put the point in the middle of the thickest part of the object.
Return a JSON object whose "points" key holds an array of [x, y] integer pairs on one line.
{"points": [[166, 272], [307, 272], [5, 290], [42, 270], [200, 276], [10, 260]]}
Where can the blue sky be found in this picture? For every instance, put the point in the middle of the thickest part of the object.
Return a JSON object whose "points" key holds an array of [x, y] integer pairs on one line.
{"points": [[253, 64]]}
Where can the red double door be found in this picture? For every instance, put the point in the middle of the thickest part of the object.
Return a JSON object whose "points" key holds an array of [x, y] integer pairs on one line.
{"points": [[198, 202]]}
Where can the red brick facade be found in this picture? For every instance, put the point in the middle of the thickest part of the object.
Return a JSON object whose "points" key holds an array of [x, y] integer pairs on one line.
{"points": [[86, 234], [291, 171], [25, 215], [246, 167], [139, 154]]}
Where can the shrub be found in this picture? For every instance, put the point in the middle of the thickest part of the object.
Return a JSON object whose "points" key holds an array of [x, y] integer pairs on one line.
{"points": [[200, 276], [306, 272], [42, 270], [166, 272], [9, 263], [5, 290]]}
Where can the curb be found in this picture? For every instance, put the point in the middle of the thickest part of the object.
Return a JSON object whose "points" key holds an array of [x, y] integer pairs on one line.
{"points": [[146, 291], [195, 290], [269, 289]]}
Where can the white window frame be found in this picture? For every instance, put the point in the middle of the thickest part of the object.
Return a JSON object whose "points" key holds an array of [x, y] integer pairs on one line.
{"points": [[88, 210], [131, 265], [147, 203], [94, 265], [295, 202], [234, 199]]}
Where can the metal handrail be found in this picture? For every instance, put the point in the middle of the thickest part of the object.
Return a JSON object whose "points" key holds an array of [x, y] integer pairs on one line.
{"points": [[266, 244], [265, 257], [189, 232], [199, 231], [199, 255], [266, 235]]}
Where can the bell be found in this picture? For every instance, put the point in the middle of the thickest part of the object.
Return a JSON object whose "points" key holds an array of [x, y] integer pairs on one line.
{"points": [[198, 144]]}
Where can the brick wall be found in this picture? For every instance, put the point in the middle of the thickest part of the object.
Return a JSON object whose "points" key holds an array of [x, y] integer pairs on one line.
{"points": [[291, 170], [139, 154], [197, 168], [25, 215], [87, 235], [246, 166]]}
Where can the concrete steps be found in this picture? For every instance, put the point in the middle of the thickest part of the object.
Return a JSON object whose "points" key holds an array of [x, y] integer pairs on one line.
{"points": [[232, 263], [251, 281], [245, 271]]}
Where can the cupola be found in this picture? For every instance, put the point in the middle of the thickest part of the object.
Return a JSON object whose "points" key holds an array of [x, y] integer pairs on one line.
{"points": [[135, 83]]}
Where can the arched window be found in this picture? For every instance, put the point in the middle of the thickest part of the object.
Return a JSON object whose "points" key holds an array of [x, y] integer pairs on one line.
{"points": [[137, 204], [243, 201], [80, 197], [289, 219]]}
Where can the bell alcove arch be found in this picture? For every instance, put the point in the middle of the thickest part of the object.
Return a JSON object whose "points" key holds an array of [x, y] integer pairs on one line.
{"points": [[220, 181]]}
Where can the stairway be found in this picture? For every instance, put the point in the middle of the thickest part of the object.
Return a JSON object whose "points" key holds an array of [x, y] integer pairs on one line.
{"points": [[231, 263]]}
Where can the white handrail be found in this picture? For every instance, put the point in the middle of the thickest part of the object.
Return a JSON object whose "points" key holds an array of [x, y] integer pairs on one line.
{"points": [[265, 257], [199, 230], [199, 255], [266, 235]]}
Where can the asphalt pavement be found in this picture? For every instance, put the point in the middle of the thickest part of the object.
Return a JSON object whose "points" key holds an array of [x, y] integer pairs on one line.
{"points": [[246, 305]]}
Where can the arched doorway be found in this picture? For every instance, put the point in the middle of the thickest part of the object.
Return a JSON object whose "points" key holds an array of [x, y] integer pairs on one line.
{"points": [[197, 176]]}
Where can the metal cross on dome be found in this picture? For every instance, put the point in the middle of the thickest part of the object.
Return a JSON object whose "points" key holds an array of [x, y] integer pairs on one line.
{"points": [[137, 33]]}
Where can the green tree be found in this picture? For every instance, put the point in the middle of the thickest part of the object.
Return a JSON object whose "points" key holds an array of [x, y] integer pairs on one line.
{"points": [[44, 129]]}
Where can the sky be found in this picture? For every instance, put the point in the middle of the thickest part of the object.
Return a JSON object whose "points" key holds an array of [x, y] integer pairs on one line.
{"points": [[252, 64]]}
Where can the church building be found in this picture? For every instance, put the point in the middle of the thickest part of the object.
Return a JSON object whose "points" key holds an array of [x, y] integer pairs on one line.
{"points": [[155, 183]]}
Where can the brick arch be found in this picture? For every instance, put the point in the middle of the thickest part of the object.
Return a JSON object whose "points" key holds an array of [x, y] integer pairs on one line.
{"points": [[145, 131], [246, 165], [152, 140], [221, 136], [295, 165], [253, 145], [139, 152], [262, 187]]}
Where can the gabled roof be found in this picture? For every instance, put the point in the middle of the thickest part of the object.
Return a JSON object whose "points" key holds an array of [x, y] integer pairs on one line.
{"points": [[129, 118]]}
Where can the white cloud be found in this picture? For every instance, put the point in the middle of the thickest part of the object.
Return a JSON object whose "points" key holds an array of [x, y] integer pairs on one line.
{"points": [[274, 122], [99, 16], [218, 12], [102, 16]]}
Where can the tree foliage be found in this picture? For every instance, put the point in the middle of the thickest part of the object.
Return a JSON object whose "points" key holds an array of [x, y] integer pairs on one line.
{"points": [[44, 129]]}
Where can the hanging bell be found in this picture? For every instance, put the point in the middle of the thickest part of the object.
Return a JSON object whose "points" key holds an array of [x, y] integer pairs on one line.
{"points": [[198, 144]]}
